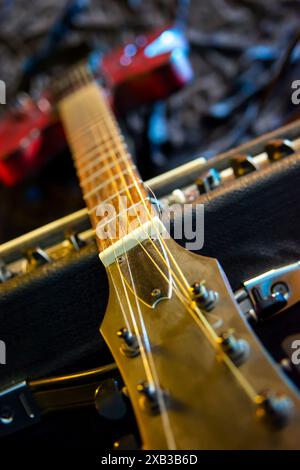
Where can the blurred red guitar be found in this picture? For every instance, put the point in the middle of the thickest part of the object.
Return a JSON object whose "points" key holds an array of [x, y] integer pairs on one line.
{"points": [[149, 68]]}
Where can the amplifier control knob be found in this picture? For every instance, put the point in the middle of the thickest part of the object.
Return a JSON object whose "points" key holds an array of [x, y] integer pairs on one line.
{"points": [[5, 273], [242, 165], [278, 149], [37, 257], [178, 196], [208, 181]]}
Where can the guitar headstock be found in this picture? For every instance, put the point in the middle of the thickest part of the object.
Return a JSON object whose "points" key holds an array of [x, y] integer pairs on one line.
{"points": [[213, 385]]}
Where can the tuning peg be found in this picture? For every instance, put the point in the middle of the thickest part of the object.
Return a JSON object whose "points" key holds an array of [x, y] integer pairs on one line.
{"points": [[208, 181], [130, 346], [205, 298], [237, 349], [109, 400], [243, 165], [150, 397], [278, 148], [275, 409]]}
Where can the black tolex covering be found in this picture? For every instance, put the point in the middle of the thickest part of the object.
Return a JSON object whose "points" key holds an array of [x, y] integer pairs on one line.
{"points": [[50, 318]]}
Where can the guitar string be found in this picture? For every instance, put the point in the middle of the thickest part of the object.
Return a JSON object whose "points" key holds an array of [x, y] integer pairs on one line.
{"points": [[154, 380], [142, 247], [209, 329], [110, 172], [181, 298], [112, 156], [227, 358], [179, 294], [145, 348], [239, 377], [129, 195], [188, 288], [167, 279]]}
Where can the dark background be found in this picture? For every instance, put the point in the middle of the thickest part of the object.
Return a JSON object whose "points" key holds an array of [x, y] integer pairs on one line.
{"points": [[221, 34]]}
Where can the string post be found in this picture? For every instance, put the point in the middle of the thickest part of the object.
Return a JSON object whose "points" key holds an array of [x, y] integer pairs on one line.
{"points": [[275, 409], [205, 298], [236, 349], [130, 347], [150, 397]]}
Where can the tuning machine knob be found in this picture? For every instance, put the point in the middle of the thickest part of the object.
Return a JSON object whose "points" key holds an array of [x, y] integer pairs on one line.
{"points": [[74, 239], [277, 149], [109, 400], [208, 181], [178, 196], [37, 257], [243, 165]]}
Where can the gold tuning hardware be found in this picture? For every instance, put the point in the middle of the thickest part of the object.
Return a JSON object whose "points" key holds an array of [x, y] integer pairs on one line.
{"points": [[130, 345], [205, 298], [203, 389]]}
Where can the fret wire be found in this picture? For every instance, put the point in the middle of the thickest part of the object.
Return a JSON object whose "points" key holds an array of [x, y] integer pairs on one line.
{"points": [[112, 129], [94, 191], [87, 127], [90, 153], [104, 169], [113, 196], [97, 121], [86, 124], [104, 137], [105, 183], [120, 214], [119, 146], [109, 154], [96, 150]]}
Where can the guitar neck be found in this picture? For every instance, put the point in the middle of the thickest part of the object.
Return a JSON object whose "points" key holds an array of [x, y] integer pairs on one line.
{"points": [[112, 188]]}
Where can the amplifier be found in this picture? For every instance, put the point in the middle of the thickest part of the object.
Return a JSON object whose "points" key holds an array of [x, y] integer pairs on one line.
{"points": [[53, 289]]}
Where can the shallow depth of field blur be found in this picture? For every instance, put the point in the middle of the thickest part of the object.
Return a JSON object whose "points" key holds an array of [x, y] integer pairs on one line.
{"points": [[235, 46]]}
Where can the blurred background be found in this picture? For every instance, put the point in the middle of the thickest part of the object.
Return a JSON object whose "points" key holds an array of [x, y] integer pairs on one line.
{"points": [[244, 55]]}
